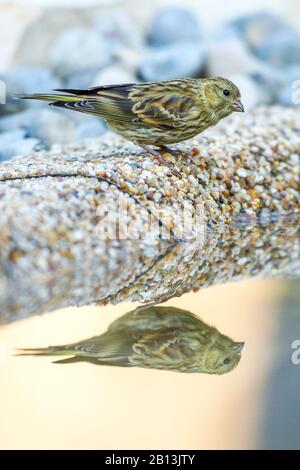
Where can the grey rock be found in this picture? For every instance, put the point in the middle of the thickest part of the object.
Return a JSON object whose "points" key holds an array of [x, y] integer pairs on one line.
{"points": [[52, 126], [288, 97], [79, 49], [173, 24], [270, 38], [280, 49], [26, 80], [270, 79], [224, 32], [48, 125], [82, 79], [178, 60], [128, 58], [14, 135], [292, 72], [118, 26], [125, 36], [19, 121], [87, 126], [44, 30], [228, 54], [283, 85], [90, 130], [28, 119], [15, 143], [255, 28], [112, 75]]}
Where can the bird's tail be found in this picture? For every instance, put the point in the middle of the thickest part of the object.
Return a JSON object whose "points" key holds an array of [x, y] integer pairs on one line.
{"points": [[51, 97], [75, 100], [109, 348], [58, 351], [50, 351]]}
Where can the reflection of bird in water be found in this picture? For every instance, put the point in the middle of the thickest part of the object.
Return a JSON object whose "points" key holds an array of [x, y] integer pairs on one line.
{"points": [[156, 338]]}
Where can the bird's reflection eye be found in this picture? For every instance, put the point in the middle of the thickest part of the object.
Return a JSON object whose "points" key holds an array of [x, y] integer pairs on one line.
{"points": [[226, 92], [226, 361]]}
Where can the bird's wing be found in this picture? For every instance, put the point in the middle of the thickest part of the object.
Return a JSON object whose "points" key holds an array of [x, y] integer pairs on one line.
{"points": [[109, 347], [160, 349], [158, 104], [163, 103], [155, 318]]}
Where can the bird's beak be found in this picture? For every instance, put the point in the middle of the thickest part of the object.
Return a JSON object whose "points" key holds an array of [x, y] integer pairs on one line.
{"points": [[238, 346], [238, 106]]}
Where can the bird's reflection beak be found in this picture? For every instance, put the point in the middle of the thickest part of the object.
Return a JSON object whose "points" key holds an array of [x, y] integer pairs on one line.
{"points": [[238, 106], [238, 346]]}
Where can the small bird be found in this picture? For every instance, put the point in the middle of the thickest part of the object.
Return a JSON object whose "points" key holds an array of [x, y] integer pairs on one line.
{"points": [[154, 114], [155, 338]]}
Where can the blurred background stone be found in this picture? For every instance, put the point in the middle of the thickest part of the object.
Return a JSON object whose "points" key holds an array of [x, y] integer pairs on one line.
{"points": [[40, 35], [271, 39], [26, 80], [112, 75], [281, 48], [184, 59], [255, 28], [79, 49], [53, 126], [173, 24], [229, 54], [14, 143], [270, 80]]}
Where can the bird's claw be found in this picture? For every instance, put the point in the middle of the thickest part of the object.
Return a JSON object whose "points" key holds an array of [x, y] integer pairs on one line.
{"points": [[161, 159], [169, 164], [178, 153]]}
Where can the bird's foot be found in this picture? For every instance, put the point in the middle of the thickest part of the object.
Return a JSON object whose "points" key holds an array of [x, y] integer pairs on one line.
{"points": [[178, 153], [161, 159], [164, 298], [143, 307]]}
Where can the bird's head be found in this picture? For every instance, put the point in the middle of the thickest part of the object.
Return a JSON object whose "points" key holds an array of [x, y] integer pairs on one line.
{"points": [[222, 96], [224, 355]]}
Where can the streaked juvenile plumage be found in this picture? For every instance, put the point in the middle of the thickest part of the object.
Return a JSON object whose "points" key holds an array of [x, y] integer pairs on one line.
{"points": [[158, 113], [156, 338]]}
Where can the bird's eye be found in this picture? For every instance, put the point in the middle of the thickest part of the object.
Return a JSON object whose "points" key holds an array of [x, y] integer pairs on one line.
{"points": [[226, 361], [226, 92]]}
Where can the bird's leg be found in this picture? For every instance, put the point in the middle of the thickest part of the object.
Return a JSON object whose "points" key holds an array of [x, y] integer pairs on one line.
{"points": [[143, 307], [164, 298], [177, 152], [158, 155], [150, 150]]}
